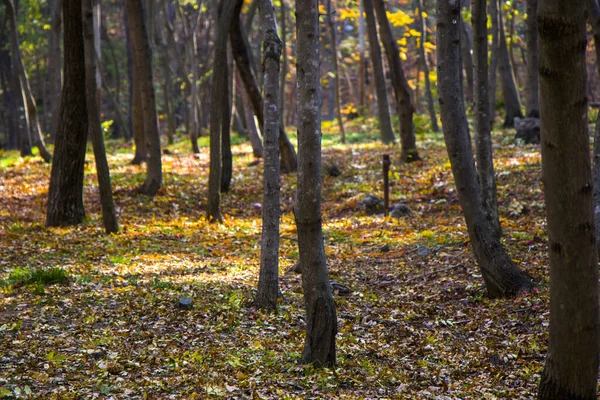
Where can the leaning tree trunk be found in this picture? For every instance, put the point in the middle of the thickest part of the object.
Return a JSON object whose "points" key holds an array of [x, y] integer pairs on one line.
{"points": [[65, 195], [404, 105], [289, 160], [571, 369], [34, 123], [493, 75], [336, 71], [142, 58], [502, 277], [321, 322], [109, 215], [268, 281], [512, 105], [383, 108], [532, 103], [423, 59], [485, 159], [219, 88], [55, 66]]}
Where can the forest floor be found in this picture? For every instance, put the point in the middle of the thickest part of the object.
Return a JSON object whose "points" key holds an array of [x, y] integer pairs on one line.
{"points": [[417, 324]]}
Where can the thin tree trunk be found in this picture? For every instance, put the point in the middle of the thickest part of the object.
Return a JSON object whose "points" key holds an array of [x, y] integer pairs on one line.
{"points": [[502, 277], [404, 105], [321, 321], [571, 369], [268, 281], [383, 108], [336, 71], [55, 66], [109, 215], [485, 158], [219, 88], [493, 77], [226, 154], [532, 103], [65, 195], [34, 123], [284, 64], [143, 64], [362, 105], [512, 105], [466, 40], [425, 66]]}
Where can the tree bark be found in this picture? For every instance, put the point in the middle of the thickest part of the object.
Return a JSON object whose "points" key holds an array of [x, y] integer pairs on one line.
{"points": [[109, 215], [55, 66], [485, 158], [336, 71], [532, 103], [268, 281], [284, 64], [383, 108], [30, 106], [321, 322], [404, 107], [226, 154], [65, 195], [362, 74], [502, 277], [493, 76], [142, 58], [466, 39], [289, 159], [594, 20], [571, 369], [422, 57], [219, 88], [512, 105]]}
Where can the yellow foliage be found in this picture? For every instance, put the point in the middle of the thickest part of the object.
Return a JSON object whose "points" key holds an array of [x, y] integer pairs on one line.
{"points": [[399, 18], [402, 42], [403, 56], [349, 13]]}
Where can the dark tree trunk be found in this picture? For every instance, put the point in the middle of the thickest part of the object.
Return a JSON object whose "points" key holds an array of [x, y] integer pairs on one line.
{"points": [[109, 215], [502, 277], [219, 89], [284, 64], [321, 322], [493, 76], [425, 66], [289, 159], [594, 20], [512, 105], [142, 58], [383, 108], [65, 195], [336, 72], [466, 40], [571, 369], [485, 159], [532, 103], [55, 66], [268, 281], [226, 154], [404, 105]]}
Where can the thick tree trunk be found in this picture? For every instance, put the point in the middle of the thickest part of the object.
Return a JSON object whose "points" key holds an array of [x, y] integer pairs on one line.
{"points": [[485, 159], [143, 64], [404, 105], [571, 369], [219, 88], [423, 59], [493, 76], [268, 281], [321, 322], [532, 103], [31, 107], [383, 108], [55, 66], [502, 277], [65, 195], [109, 215], [512, 105], [466, 40], [289, 159], [336, 72]]}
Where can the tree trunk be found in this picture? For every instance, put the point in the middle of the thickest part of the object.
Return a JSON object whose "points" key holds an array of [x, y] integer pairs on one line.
{"points": [[219, 88], [493, 77], [142, 58], [195, 120], [512, 106], [55, 66], [594, 19], [268, 285], [466, 40], [31, 107], [425, 66], [226, 154], [485, 159], [321, 322], [336, 71], [571, 369], [532, 103], [383, 108], [289, 159], [65, 195], [362, 74], [404, 105], [502, 277], [253, 135], [21, 119], [284, 65], [168, 83], [109, 215]]}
